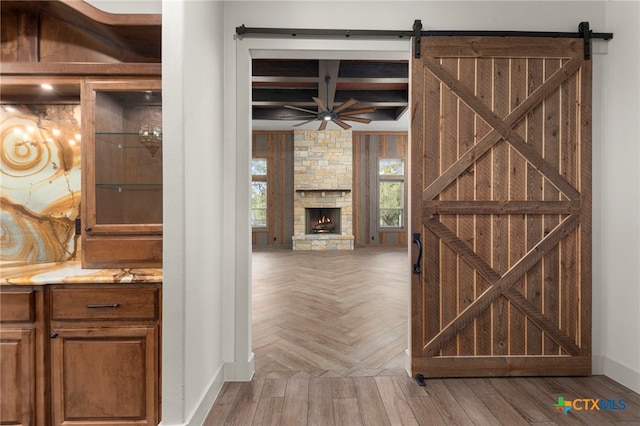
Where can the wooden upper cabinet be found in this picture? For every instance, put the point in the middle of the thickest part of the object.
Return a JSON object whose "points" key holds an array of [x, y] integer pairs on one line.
{"points": [[76, 32], [65, 43], [122, 173], [58, 42]]}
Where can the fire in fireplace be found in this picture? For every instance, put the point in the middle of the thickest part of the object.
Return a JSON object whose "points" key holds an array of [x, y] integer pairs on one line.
{"points": [[322, 220]]}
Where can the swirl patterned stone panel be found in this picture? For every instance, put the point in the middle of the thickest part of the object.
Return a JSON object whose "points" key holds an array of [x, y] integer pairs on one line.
{"points": [[40, 182]]}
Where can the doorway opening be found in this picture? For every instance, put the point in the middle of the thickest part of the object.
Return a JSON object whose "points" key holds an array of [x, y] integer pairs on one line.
{"points": [[330, 313]]}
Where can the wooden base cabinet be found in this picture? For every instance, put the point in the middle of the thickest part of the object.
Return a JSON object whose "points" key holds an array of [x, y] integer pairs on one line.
{"points": [[105, 351], [103, 358], [122, 364], [21, 357]]}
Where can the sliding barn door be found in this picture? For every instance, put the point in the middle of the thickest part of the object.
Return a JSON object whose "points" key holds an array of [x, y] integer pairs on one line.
{"points": [[501, 200]]}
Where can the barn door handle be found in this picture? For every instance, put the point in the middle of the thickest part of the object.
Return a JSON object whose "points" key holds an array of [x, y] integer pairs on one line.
{"points": [[416, 266]]}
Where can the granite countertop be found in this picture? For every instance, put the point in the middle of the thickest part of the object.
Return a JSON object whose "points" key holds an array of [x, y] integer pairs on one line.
{"points": [[21, 273]]}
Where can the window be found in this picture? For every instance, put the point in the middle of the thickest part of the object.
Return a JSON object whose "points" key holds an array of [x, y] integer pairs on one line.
{"points": [[391, 193], [259, 193]]}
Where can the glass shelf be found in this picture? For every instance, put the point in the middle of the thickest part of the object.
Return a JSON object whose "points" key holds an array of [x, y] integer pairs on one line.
{"points": [[130, 186], [121, 140], [118, 133]]}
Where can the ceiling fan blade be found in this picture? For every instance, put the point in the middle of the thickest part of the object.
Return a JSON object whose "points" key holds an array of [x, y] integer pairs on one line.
{"points": [[346, 104], [301, 109], [321, 104], [304, 122], [323, 125], [296, 117], [360, 111], [358, 119], [341, 123]]}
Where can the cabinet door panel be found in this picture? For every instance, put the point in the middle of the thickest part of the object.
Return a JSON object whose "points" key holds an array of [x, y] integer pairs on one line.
{"points": [[17, 376], [104, 374]]}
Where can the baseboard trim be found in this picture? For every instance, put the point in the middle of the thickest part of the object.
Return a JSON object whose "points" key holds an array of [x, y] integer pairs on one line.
{"points": [[204, 405], [407, 361], [621, 373], [229, 372], [597, 364], [240, 371]]}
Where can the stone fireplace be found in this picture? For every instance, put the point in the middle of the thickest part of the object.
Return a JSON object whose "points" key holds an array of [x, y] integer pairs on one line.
{"points": [[322, 184]]}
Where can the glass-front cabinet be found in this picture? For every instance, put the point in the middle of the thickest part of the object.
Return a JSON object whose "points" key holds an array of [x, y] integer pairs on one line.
{"points": [[121, 174]]}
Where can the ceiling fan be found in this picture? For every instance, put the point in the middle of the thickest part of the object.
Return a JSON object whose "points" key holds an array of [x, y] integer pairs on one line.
{"points": [[343, 112]]}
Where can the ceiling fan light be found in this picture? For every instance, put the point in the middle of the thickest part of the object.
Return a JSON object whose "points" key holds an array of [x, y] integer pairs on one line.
{"points": [[326, 117]]}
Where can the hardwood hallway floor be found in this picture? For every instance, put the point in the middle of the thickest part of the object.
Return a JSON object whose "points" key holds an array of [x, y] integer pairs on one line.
{"points": [[329, 335]]}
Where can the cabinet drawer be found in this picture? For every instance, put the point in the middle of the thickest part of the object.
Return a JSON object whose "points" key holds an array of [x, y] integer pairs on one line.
{"points": [[105, 304], [17, 306]]}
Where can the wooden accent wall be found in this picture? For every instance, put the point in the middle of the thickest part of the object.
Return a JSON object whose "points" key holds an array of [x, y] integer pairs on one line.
{"points": [[368, 147], [277, 148]]}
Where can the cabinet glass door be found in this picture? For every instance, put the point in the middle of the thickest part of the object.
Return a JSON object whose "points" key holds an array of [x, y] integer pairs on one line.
{"points": [[125, 185], [128, 157]]}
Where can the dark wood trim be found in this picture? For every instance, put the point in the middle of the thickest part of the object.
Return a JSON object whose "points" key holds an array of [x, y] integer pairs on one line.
{"points": [[114, 19], [27, 37], [277, 148], [80, 69], [137, 34]]}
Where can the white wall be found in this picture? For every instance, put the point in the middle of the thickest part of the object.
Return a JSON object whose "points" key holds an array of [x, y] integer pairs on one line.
{"points": [[619, 270], [193, 365], [128, 6], [207, 133]]}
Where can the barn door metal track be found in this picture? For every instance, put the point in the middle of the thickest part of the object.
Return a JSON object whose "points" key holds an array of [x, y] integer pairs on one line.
{"points": [[417, 33]]}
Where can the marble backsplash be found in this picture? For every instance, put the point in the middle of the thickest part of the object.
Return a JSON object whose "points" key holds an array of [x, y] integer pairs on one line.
{"points": [[39, 183]]}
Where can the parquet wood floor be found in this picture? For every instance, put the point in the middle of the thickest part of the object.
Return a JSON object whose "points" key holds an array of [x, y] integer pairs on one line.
{"points": [[329, 334], [331, 313]]}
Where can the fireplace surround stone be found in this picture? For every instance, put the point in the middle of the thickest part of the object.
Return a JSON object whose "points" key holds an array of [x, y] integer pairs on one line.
{"points": [[323, 176]]}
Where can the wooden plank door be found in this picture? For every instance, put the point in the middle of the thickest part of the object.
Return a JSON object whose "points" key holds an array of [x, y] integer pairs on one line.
{"points": [[501, 200]]}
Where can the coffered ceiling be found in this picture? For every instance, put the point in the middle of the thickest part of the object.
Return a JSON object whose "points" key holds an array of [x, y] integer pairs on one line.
{"points": [[283, 90]]}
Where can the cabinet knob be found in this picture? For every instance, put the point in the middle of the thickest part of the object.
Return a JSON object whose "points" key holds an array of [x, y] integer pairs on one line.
{"points": [[54, 335], [87, 228]]}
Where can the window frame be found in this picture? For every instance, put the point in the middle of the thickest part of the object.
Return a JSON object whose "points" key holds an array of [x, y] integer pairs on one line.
{"points": [[392, 178], [260, 178]]}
